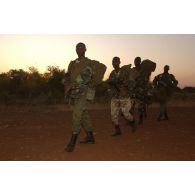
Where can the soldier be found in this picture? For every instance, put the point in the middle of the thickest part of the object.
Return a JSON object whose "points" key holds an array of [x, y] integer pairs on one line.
{"points": [[165, 84], [137, 63], [143, 86], [140, 89], [118, 81], [82, 79]]}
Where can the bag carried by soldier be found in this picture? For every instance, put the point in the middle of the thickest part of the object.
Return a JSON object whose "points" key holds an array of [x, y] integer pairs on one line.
{"points": [[99, 70], [148, 66], [131, 75], [85, 77], [132, 72]]}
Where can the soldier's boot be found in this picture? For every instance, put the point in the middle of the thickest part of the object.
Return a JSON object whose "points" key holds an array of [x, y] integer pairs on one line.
{"points": [[117, 131], [89, 139], [133, 125], [70, 147], [166, 116]]}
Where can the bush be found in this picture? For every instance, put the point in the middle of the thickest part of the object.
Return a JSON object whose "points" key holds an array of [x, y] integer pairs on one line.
{"points": [[189, 89]]}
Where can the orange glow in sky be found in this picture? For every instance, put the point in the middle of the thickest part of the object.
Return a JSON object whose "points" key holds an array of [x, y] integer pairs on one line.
{"points": [[40, 51]]}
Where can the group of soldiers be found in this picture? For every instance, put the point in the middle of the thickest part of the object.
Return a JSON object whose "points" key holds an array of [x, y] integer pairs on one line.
{"points": [[127, 87]]}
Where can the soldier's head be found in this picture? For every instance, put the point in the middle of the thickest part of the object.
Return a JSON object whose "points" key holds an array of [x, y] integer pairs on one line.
{"points": [[81, 49], [166, 68], [116, 62], [137, 62]]}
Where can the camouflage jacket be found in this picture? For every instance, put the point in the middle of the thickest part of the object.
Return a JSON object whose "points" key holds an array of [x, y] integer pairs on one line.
{"points": [[82, 79], [165, 80], [119, 83], [142, 87]]}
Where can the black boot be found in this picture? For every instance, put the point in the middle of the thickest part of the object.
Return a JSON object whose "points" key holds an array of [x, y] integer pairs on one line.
{"points": [[89, 138], [71, 145], [117, 131], [133, 125]]}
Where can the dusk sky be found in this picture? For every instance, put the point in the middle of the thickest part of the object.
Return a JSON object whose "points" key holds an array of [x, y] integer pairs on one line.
{"points": [[40, 51]]}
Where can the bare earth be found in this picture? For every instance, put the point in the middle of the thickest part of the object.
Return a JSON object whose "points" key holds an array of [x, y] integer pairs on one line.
{"points": [[42, 135]]}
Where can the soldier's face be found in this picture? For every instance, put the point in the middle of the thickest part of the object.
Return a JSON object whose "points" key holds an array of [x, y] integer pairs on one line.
{"points": [[116, 62], [166, 69], [80, 49], [137, 61]]}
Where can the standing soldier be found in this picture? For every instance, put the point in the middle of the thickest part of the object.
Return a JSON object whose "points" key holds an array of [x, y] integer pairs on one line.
{"points": [[164, 84], [82, 76], [142, 85], [118, 81]]}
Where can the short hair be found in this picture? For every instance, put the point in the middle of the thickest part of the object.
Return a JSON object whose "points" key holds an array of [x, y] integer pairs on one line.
{"points": [[138, 58], [166, 66], [116, 58], [81, 44]]}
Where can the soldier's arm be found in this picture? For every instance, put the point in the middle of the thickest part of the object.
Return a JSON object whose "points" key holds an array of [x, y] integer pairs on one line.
{"points": [[68, 84], [175, 82], [70, 67], [155, 81], [112, 80]]}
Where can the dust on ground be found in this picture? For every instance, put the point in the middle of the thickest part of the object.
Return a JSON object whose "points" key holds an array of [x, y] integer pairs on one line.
{"points": [[42, 134]]}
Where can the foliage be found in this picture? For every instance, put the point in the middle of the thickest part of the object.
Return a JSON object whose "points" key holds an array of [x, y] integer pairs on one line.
{"points": [[31, 87]]}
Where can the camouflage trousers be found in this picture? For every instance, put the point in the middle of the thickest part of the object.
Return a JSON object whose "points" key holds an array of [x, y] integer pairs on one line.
{"points": [[80, 115], [121, 104], [163, 107]]}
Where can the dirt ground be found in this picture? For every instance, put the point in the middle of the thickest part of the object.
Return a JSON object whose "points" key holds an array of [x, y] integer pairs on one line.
{"points": [[42, 135]]}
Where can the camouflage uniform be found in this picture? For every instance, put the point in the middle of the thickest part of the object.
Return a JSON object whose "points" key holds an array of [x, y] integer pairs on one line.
{"points": [[81, 75], [123, 105], [164, 82], [120, 96], [142, 93]]}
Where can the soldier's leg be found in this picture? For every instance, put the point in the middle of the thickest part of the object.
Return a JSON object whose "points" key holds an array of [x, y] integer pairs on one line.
{"points": [[87, 125], [77, 112], [86, 121], [115, 110], [145, 107], [132, 110], [165, 112], [160, 116], [78, 109], [141, 113], [125, 107]]}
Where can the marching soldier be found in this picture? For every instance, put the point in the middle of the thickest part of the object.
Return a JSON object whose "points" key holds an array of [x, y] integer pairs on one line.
{"points": [[167, 83], [81, 79], [118, 81], [142, 85]]}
